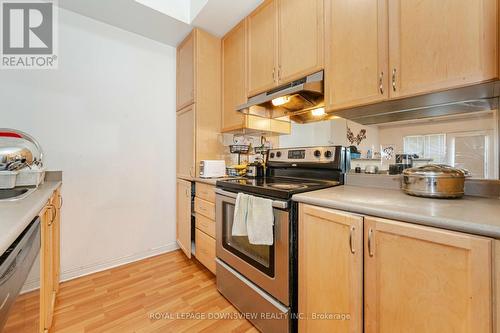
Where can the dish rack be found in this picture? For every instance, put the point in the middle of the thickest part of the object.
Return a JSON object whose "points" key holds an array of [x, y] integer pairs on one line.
{"points": [[239, 149], [24, 177], [30, 177]]}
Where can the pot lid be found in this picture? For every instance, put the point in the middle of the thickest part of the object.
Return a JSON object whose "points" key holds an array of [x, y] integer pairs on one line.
{"points": [[18, 146], [435, 170]]}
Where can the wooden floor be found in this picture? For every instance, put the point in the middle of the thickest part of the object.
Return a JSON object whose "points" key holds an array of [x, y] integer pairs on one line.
{"points": [[125, 299]]}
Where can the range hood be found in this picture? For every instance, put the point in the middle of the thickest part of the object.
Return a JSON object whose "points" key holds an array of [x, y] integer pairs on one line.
{"points": [[293, 101], [479, 97], [301, 97]]}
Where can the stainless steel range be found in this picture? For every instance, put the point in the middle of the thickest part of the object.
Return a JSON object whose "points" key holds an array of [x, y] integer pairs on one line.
{"points": [[260, 280]]}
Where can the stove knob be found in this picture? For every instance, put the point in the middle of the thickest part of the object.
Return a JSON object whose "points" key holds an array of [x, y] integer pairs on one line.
{"points": [[272, 155], [328, 154], [317, 153], [278, 154]]}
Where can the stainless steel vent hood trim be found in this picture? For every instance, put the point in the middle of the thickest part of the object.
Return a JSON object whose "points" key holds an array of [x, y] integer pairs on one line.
{"points": [[479, 97], [310, 92]]}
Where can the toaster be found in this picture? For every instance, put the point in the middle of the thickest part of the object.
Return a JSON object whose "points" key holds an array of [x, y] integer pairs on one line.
{"points": [[212, 168]]}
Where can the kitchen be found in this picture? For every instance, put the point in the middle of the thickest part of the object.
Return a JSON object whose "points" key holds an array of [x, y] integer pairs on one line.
{"points": [[336, 168]]}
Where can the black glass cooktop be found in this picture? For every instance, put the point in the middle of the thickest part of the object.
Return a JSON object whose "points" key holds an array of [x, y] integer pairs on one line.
{"points": [[274, 187]]}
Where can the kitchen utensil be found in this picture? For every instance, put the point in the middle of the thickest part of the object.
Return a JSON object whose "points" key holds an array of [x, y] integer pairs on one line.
{"points": [[255, 170], [396, 169], [434, 181], [371, 169]]}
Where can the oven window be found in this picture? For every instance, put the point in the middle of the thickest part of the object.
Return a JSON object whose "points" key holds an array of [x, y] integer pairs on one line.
{"points": [[259, 256]]}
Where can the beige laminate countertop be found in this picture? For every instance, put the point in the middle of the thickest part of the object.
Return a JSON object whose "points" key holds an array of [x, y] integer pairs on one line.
{"points": [[474, 215], [15, 216]]}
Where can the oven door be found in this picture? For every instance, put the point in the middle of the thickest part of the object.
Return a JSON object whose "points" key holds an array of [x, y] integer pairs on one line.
{"points": [[266, 266]]}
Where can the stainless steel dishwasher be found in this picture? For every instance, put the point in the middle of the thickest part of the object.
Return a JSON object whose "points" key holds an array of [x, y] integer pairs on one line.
{"points": [[15, 265]]}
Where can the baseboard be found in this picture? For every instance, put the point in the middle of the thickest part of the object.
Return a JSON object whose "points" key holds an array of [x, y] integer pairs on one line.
{"points": [[77, 272]]}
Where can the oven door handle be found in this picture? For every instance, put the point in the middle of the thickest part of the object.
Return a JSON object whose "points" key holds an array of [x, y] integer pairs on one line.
{"points": [[276, 203]]}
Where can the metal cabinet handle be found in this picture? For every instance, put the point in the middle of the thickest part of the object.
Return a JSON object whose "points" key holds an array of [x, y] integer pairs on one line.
{"points": [[279, 73], [351, 237], [381, 83], [274, 74], [60, 201], [394, 79], [54, 214], [370, 238]]}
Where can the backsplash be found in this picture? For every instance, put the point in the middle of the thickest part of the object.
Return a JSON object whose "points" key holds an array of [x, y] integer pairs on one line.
{"points": [[467, 141], [239, 139]]}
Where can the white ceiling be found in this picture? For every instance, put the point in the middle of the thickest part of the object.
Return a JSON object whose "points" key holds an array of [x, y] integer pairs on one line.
{"points": [[166, 21]]}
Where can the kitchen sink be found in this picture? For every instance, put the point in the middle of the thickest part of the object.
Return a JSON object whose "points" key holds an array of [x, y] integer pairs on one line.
{"points": [[15, 193]]}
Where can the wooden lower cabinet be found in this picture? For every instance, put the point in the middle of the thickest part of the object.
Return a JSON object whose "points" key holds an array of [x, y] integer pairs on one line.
{"points": [[183, 222], [205, 249], [49, 259], [204, 207], [330, 269], [416, 278], [421, 279]]}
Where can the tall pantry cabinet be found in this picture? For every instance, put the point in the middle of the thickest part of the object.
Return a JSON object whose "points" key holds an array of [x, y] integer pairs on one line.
{"points": [[198, 119]]}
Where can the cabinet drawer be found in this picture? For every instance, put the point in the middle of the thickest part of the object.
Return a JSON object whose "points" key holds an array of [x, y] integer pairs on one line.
{"points": [[205, 250], [205, 192], [204, 208], [206, 225]]}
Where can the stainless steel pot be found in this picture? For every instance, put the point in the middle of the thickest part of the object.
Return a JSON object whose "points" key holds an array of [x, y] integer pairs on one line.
{"points": [[434, 181]]}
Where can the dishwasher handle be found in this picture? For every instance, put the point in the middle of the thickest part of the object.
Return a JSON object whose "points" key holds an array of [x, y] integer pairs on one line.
{"points": [[10, 270]]}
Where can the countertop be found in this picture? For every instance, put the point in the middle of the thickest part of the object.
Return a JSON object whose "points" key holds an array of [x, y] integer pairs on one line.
{"points": [[16, 215], [474, 215], [210, 181]]}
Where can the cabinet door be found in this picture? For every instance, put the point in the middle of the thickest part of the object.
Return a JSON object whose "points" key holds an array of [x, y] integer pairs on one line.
{"points": [[356, 53], [205, 250], [185, 72], [330, 269], [300, 38], [262, 48], [47, 291], [186, 142], [234, 91], [420, 279], [56, 201], [435, 45], [183, 230]]}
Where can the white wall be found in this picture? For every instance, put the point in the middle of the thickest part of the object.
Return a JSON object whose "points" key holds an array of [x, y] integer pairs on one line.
{"points": [[106, 118]]}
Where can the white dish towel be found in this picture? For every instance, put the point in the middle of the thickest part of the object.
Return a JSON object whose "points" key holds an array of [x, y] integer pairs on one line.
{"points": [[260, 221], [240, 215]]}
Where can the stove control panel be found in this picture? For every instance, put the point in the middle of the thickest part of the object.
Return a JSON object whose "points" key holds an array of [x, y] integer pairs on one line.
{"points": [[304, 155]]}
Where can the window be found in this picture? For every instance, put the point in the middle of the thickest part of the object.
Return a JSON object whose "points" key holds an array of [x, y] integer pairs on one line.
{"points": [[432, 146]]}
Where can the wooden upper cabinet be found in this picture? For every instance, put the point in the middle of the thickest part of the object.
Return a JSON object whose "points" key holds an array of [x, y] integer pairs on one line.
{"points": [[300, 38], [185, 134], [185, 72], [262, 74], [420, 279], [442, 44], [330, 269], [356, 66], [233, 76]]}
